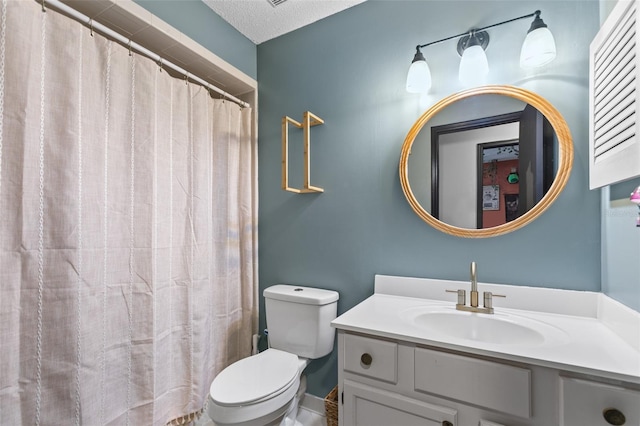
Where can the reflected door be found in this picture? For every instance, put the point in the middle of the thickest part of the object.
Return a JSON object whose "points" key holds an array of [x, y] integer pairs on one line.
{"points": [[536, 161]]}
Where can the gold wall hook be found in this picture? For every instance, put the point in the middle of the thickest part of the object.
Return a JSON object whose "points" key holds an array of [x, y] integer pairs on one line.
{"points": [[308, 120]]}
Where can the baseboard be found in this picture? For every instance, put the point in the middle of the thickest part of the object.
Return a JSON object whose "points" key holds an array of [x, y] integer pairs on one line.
{"points": [[313, 403]]}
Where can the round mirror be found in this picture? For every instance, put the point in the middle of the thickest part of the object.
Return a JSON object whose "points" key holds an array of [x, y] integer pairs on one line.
{"points": [[485, 161]]}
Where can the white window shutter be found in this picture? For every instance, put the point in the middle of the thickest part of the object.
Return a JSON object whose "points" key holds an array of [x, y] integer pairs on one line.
{"points": [[614, 137]]}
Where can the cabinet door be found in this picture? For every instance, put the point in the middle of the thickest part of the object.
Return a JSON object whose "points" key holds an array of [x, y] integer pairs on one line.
{"points": [[367, 406], [614, 140]]}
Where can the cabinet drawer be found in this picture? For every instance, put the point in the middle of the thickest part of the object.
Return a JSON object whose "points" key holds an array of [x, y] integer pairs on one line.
{"points": [[585, 403], [371, 357], [483, 383]]}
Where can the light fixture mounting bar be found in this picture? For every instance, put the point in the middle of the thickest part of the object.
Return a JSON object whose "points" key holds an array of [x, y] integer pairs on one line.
{"points": [[481, 38], [530, 15]]}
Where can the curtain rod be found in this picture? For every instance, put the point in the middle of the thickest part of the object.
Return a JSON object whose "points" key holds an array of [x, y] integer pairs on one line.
{"points": [[93, 25]]}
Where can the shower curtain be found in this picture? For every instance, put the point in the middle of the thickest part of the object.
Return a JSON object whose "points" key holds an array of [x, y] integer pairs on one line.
{"points": [[128, 244]]}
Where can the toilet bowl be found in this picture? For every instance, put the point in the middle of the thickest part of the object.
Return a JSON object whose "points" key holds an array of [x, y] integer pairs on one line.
{"points": [[265, 389], [256, 391]]}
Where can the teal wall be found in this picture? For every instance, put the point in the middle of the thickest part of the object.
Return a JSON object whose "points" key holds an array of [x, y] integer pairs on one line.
{"points": [[350, 70], [199, 22], [620, 239], [621, 244]]}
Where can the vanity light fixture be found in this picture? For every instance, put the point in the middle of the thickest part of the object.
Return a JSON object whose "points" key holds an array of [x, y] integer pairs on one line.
{"points": [[419, 76], [538, 49], [474, 66]]}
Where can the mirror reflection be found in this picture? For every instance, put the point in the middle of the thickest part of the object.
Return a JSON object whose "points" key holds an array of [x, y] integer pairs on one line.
{"points": [[483, 161]]}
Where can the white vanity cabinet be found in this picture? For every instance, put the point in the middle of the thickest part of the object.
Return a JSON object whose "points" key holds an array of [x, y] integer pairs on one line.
{"points": [[545, 357], [386, 382], [395, 383]]}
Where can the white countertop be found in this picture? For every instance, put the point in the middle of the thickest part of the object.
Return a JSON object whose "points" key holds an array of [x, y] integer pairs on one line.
{"points": [[601, 337]]}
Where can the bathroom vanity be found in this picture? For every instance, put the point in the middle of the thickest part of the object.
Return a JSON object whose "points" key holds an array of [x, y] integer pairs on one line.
{"points": [[407, 356]]}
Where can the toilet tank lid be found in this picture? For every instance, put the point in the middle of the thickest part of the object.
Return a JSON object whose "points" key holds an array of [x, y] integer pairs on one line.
{"points": [[299, 294]]}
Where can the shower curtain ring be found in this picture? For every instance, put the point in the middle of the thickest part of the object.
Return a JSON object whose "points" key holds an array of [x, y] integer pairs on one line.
{"points": [[129, 47], [160, 64], [44, 9], [91, 26], [186, 79]]}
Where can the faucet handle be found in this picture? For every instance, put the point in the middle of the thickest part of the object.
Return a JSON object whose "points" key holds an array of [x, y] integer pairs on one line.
{"points": [[488, 298], [462, 296]]}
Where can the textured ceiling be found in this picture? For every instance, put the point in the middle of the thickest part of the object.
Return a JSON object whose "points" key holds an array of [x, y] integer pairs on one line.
{"points": [[259, 21]]}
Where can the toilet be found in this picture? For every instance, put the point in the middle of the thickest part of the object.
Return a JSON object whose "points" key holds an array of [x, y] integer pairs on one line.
{"points": [[265, 389]]}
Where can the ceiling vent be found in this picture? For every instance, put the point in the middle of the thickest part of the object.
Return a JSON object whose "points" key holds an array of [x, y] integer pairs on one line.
{"points": [[275, 3]]}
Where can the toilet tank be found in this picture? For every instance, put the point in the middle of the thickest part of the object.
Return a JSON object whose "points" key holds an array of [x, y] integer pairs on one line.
{"points": [[299, 319]]}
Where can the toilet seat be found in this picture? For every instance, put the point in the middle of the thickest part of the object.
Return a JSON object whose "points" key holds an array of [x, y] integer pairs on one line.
{"points": [[255, 390], [256, 378]]}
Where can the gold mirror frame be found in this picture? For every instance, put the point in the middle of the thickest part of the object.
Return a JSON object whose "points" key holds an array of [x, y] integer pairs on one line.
{"points": [[565, 159]]}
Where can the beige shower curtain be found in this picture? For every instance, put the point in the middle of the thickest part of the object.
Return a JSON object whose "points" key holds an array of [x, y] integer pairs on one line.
{"points": [[128, 247]]}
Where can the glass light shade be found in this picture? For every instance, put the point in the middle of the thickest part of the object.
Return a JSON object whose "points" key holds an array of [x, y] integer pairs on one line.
{"points": [[419, 77], [474, 66], [538, 49]]}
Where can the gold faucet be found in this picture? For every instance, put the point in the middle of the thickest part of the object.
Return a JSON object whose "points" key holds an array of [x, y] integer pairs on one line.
{"points": [[474, 286], [487, 296]]}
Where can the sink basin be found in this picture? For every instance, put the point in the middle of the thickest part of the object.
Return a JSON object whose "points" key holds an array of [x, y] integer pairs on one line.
{"points": [[498, 328]]}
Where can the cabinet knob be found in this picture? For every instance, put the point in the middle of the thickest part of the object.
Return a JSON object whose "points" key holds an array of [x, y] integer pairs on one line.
{"points": [[366, 359], [614, 417]]}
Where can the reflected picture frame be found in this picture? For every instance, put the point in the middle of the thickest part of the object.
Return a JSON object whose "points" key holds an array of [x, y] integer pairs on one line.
{"points": [[490, 197]]}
